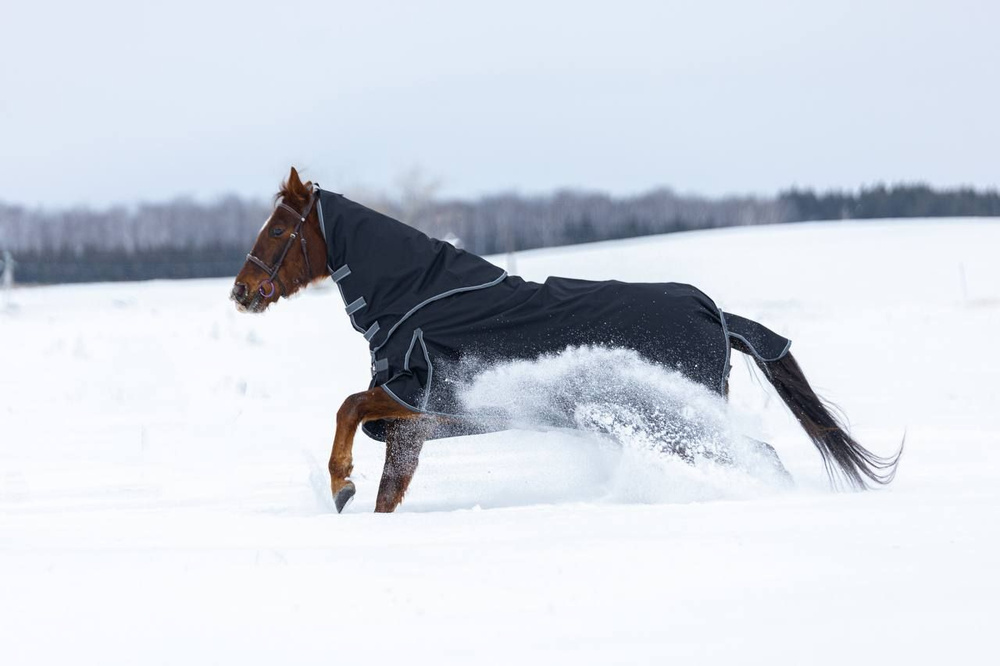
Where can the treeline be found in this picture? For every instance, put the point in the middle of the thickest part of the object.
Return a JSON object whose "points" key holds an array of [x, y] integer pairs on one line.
{"points": [[184, 238], [178, 239], [511, 222], [899, 201]]}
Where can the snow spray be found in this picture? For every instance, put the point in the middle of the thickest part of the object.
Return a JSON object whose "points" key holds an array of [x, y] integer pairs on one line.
{"points": [[678, 440]]}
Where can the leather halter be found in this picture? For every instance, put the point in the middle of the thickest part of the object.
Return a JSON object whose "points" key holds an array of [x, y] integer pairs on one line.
{"points": [[272, 272]]}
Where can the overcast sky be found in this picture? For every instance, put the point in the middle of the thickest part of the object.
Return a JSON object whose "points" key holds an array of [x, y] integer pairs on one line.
{"points": [[104, 102]]}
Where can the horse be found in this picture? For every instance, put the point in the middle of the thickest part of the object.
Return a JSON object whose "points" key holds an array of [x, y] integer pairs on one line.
{"points": [[426, 307]]}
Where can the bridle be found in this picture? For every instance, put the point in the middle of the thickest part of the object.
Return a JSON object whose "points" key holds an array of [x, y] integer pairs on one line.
{"points": [[272, 272]]}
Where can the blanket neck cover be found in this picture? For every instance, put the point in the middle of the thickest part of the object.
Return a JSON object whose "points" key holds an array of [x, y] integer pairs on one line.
{"points": [[434, 315]]}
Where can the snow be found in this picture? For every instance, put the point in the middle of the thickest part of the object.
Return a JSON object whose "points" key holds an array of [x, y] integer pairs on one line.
{"points": [[162, 477]]}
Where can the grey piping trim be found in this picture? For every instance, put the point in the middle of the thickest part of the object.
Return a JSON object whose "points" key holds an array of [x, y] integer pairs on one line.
{"points": [[725, 368], [341, 273], [380, 365], [430, 371], [372, 330], [395, 397], [406, 359], [418, 410], [445, 294], [757, 354], [356, 305], [419, 335], [322, 222]]}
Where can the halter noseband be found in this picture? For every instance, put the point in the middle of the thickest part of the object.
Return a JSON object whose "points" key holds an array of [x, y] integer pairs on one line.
{"points": [[272, 272]]}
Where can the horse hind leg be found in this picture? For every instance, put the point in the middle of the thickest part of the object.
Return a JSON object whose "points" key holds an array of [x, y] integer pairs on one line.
{"points": [[403, 443]]}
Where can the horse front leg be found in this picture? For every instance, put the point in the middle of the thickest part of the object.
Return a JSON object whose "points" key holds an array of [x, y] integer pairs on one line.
{"points": [[369, 405], [403, 443]]}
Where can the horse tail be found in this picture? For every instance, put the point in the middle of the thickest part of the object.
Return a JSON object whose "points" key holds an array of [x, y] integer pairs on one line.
{"points": [[843, 457]]}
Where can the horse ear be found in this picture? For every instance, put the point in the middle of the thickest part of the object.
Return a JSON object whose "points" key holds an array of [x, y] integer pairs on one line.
{"points": [[294, 182]]}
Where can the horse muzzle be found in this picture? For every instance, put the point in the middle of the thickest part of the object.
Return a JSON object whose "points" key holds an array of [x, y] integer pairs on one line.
{"points": [[248, 301]]}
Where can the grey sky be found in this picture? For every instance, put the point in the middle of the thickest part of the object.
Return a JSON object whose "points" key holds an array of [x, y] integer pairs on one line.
{"points": [[105, 102]]}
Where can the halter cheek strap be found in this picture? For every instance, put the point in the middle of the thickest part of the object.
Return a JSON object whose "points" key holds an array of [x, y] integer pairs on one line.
{"points": [[272, 271]]}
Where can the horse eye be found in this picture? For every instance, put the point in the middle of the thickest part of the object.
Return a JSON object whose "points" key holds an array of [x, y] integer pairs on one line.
{"points": [[277, 231]]}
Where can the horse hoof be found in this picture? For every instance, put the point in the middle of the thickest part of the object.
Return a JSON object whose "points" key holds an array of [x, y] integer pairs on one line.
{"points": [[344, 497]]}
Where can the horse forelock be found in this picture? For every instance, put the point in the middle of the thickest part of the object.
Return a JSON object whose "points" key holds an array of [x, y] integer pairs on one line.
{"points": [[290, 195]]}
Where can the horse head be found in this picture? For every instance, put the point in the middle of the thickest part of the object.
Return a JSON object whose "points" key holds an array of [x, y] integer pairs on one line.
{"points": [[289, 253]]}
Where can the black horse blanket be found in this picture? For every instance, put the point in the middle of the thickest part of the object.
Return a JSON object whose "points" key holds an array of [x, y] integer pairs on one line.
{"points": [[432, 313]]}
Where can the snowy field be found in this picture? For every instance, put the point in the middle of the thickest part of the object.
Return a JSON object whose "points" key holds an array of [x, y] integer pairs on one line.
{"points": [[160, 454]]}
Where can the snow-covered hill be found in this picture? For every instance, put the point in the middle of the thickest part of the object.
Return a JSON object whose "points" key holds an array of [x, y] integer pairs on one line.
{"points": [[159, 452]]}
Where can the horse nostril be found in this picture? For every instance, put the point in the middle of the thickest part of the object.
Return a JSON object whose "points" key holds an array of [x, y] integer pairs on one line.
{"points": [[239, 291]]}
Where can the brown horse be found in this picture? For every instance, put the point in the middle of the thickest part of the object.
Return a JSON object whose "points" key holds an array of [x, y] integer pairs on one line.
{"points": [[291, 251]]}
